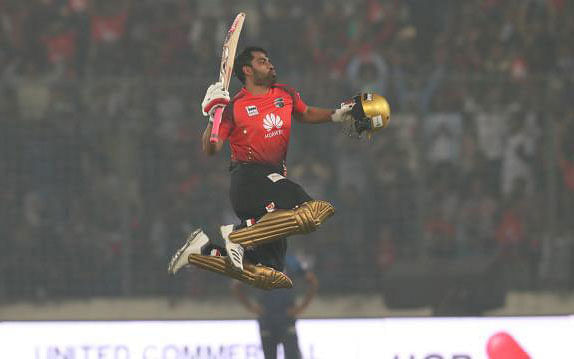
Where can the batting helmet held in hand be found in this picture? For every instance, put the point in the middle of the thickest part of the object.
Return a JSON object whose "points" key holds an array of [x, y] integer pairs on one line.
{"points": [[371, 112]]}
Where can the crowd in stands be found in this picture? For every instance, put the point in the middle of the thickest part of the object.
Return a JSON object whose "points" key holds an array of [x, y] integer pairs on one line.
{"points": [[102, 176]]}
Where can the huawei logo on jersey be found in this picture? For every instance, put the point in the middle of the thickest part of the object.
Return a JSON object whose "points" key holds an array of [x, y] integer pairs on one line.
{"points": [[270, 122]]}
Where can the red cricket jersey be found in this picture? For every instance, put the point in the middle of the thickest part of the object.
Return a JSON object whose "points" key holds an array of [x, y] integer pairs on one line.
{"points": [[258, 126]]}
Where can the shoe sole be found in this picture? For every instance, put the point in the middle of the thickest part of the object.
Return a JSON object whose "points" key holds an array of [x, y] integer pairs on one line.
{"points": [[180, 251]]}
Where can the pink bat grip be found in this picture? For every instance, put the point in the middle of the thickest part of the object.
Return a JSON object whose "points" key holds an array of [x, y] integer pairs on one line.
{"points": [[216, 123]]}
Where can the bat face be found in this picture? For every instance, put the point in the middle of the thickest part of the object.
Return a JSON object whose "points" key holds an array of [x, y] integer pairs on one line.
{"points": [[229, 48], [237, 22], [224, 64], [226, 68]]}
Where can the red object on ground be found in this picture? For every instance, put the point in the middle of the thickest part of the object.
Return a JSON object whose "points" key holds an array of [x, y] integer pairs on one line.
{"points": [[503, 346]]}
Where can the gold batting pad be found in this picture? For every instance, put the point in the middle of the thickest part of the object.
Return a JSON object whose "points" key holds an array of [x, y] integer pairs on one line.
{"points": [[281, 223], [259, 276]]}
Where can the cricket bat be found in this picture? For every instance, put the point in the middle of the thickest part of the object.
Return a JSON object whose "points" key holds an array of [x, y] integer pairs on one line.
{"points": [[226, 69]]}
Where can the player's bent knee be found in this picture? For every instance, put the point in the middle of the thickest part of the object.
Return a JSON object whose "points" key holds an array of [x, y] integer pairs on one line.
{"points": [[311, 214], [305, 218]]}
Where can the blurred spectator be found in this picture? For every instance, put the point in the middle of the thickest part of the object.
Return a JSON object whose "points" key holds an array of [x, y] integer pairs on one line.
{"points": [[32, 86], [565, 152], [314, 175], [491, 123], [477, 218], [441, 219], [443, 133], [517, 158], [520, 249], [368, 72], [386, 250]]}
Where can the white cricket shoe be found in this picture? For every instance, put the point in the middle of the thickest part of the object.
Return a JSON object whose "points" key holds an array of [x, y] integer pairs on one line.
{"points": [[193, 245], [234, 251]]}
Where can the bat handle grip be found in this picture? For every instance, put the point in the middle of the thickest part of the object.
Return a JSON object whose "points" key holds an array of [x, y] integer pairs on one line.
{"points": [[216, 123]]}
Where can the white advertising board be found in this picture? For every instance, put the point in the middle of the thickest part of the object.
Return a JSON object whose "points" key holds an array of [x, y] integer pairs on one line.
{"points": [[396, 338]]}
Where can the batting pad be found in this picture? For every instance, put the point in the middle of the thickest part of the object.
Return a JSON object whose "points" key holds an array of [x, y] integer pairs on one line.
{"points": [[281, 223], [258, 276]]}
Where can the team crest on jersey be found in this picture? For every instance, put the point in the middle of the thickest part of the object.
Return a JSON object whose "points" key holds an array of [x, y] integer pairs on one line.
{"points": [[279, 102], [251, 110], [272, 123]]}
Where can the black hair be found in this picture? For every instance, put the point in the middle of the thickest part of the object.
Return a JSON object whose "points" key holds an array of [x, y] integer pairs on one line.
{"points": [[244, 59]]}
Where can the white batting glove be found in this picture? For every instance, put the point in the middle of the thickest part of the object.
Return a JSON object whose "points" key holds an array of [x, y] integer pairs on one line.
{"points": [[215, 97], [343, 113]]}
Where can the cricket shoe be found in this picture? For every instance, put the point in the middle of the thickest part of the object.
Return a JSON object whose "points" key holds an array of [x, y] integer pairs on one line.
{"points": [[193, 245], [234, 250]]}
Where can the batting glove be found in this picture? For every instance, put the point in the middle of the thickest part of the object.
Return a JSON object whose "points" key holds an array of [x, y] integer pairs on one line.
{"points": [[343, 113], [215, 96]]}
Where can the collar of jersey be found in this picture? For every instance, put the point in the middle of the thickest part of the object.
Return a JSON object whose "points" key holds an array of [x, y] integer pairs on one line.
{"points": [[252, 95]]}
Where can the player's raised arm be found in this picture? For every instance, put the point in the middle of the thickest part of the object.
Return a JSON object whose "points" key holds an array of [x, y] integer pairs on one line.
{"points": [[316, 115], [215, 97], [366, 112]]}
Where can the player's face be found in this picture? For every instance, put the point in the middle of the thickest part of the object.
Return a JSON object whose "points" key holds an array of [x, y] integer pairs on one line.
{"points": [[263, 71]]}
